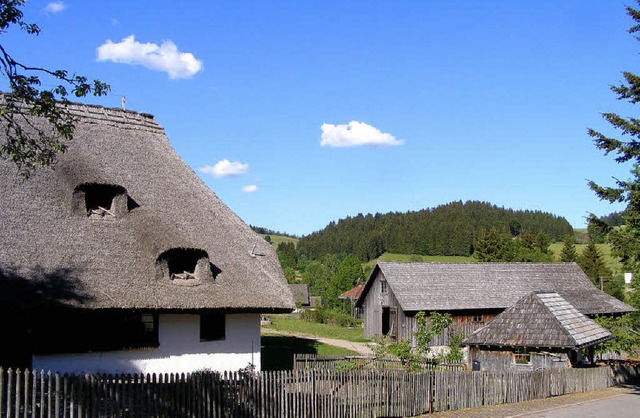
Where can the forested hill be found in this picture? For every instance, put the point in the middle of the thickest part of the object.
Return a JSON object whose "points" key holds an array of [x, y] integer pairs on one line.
{"points": [[444, 230]]}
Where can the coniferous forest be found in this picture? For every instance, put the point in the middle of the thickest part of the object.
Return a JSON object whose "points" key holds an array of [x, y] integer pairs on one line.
{"points": [[449, 229]]}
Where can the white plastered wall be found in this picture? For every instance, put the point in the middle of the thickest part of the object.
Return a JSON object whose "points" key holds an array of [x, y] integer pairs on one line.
{"points": [[180, 350]]}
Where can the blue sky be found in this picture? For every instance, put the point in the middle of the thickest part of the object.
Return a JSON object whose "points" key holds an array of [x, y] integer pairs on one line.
{"points": [[437, 100]]}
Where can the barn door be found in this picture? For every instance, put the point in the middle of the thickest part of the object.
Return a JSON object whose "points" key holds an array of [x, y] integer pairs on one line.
{"points": [[393, 323], [390, 322]]}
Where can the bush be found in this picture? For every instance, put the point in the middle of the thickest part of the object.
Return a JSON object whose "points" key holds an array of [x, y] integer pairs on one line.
{"points": [[331, 317], [312, 316]]}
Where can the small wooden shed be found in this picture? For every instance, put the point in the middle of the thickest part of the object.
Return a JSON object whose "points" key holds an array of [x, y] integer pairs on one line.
{"points": [[352, 296], [301, 295], [541, 331]]}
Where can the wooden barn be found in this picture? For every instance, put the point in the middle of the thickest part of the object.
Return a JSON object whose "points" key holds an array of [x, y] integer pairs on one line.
{"points": [[541, 331], [473, 293], [122, 260]]}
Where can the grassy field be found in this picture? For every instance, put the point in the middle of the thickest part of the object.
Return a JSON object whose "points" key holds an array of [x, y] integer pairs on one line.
{"points": [[277, 239], [420, 258], [605, 250], [298, 326], [581, 235], [277, 351]]}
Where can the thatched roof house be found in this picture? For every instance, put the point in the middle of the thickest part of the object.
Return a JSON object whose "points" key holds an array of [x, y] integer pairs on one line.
{"points": [[472, 292], [123, 224], [540, 323]]}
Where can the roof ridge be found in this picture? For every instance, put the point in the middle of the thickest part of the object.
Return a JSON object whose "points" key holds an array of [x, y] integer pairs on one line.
{"points": [[554, 316], [123, 118], [523, 263], [4, 95]]}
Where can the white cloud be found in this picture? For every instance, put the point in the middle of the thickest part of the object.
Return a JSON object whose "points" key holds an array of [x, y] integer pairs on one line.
{"points": [[225, 168], [250, 188], [55, 7], [355, 134], [165, 57]]}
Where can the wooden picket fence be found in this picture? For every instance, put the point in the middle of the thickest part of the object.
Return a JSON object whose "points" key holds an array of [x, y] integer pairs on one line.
{"points": [[302, 393], [314, 361]]}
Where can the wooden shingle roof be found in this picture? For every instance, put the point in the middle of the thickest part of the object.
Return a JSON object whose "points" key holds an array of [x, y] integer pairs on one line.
{"points": [[52, 252], [464, 286], [352, 294], [541, 319], [300, 293]]}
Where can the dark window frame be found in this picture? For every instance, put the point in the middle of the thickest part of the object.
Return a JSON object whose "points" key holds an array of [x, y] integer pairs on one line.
{"points": [[213, 326], [101, 331]]}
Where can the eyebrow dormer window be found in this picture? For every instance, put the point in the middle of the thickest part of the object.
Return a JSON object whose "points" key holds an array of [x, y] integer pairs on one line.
{"points": [[99, 201], [185, 266]]}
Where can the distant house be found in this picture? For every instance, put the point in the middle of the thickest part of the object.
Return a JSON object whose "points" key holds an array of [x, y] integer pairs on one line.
{"points": [[473, 293], [122, 260], [541, 331], [301, 295], [352, 295]]}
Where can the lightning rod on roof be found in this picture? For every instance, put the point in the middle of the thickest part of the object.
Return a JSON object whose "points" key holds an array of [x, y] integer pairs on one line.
{"points": [[124, 99]]}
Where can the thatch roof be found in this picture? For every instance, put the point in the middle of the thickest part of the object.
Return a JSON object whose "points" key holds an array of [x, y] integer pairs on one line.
{"points": [[464, 286], [540, 320], [47, 238]]}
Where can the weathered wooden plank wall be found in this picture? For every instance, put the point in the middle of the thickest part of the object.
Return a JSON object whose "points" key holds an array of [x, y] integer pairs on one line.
{"points": [[309, 393]]}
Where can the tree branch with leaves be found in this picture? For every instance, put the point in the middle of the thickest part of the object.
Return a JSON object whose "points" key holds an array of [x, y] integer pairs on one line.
{"points": [[26, 144], [624, 240]]}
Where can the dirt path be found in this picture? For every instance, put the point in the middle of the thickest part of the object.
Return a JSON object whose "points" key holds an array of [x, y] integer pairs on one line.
{"points": [[361, 348]]}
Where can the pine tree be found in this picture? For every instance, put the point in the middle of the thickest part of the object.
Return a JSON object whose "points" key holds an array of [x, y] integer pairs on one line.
{"points": [[527, 240], [568, 253], [625, 241], [542, 242], [492, 246], [592, 264]]}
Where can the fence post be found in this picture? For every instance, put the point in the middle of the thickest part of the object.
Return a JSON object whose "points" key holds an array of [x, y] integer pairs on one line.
{"points": [[2, 389]]}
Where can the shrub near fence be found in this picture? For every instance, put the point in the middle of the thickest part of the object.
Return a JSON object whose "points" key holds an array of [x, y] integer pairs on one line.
{"points": [[308, 393], [314, 361]]}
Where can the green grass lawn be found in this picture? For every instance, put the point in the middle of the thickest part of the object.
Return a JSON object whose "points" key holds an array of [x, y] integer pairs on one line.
{"points": [[612, 262], [277, 351], [605, 249], [277, 239], [581, 235], [299, 326], [420, 258]]}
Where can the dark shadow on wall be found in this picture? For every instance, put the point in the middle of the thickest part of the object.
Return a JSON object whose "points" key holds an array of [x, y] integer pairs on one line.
{"points": [[27, 297]]}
